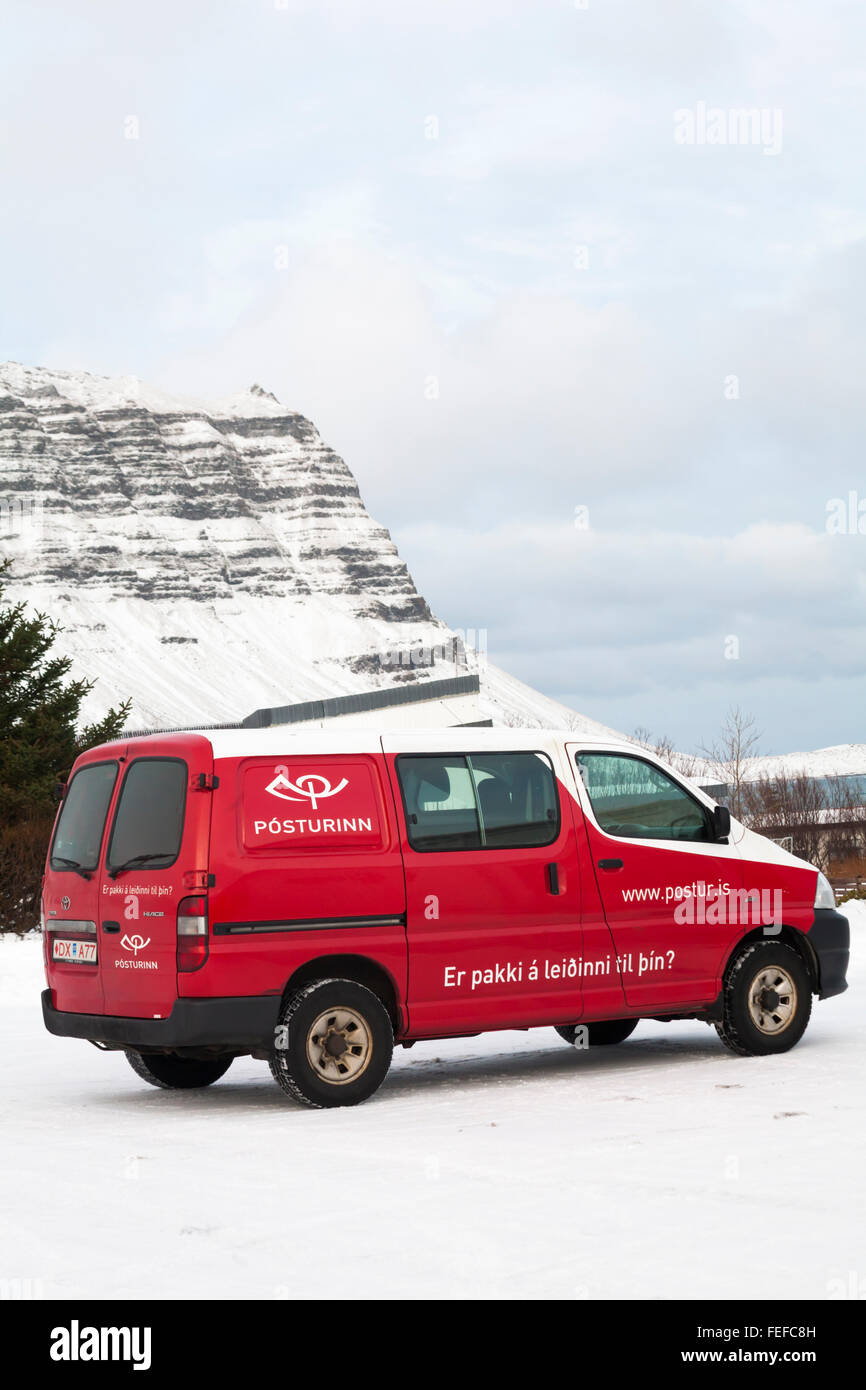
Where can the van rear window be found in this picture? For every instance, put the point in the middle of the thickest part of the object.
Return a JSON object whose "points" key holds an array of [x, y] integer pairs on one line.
{"points": [[148, 823], [78, 836]]}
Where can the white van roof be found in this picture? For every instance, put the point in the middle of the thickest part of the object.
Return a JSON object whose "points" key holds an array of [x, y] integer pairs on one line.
{"points": [[282, 739]]}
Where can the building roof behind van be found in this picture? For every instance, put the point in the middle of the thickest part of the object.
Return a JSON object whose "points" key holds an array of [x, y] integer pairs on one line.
{"points": [[445, 703]]}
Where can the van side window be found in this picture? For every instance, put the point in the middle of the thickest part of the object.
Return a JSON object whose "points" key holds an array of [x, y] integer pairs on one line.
{"points": [[148, 822], [479, 800], [638, 801], [82, 818], [517, 799], [441, 811]]}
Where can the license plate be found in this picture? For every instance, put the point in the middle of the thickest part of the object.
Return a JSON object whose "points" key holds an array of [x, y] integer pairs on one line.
{"points": [[75, 952]]}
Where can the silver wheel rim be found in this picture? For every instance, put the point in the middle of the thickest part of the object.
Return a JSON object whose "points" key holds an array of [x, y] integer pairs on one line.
{"points": [[772, 1000], [339, 1046]]}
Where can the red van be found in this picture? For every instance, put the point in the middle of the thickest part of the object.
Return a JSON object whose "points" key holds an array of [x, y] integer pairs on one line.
{"points": [[313, 898]]}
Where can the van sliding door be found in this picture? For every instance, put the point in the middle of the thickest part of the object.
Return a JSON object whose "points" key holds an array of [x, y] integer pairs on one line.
{"points": [[492, 889]]}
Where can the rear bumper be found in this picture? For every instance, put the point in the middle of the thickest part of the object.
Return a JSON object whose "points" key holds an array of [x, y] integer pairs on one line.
{"points": [[243, 1022], [830, 939]]}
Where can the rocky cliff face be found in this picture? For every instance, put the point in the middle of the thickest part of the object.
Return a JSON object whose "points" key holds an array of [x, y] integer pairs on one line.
{"points": [[141, 500], [208, 560]]}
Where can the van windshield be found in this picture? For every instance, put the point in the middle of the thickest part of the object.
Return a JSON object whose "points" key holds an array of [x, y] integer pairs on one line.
{"points": [[78, 836], [148, 823]]}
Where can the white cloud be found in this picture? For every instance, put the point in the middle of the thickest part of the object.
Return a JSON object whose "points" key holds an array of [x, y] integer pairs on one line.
{"points": [[595, 614], [427, 312]]}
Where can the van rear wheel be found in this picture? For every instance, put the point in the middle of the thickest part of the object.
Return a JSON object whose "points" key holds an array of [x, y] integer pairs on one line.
{"points": [[767, 1000], [613, 1030], [333, 1045], [173, 1073]]}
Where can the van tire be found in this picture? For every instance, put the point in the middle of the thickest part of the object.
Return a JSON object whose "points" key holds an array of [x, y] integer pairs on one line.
{"points": [[767, 1000], [173, 1073], [605, 1033], [307, 1069]]}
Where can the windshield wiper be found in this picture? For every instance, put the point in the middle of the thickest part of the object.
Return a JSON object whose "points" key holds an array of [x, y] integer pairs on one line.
{"points": [[137, 859], [70, 864]]}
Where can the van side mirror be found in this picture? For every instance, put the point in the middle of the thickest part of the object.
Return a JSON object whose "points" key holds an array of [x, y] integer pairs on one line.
{"points": [[58, 791], [721, 822]]}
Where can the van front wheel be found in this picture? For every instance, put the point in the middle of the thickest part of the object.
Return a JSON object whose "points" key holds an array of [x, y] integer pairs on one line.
{"points": [[175, 1073], [333, 1044], [767, 1000]]}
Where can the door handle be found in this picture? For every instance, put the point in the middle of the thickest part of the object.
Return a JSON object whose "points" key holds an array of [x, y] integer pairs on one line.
{"points": [[553, 878], [610, 865], [111, 926]]}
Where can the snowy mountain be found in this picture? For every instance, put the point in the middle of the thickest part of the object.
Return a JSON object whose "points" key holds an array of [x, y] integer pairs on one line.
{"points": [[211, 559], [839, 760]]}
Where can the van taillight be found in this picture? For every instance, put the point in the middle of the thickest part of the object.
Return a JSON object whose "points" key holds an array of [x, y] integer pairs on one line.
{"points": [[191, 933]]}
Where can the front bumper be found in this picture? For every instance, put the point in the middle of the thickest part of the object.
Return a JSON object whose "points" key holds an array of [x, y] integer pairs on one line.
{"points": [[231, 1023], [830, 939]]}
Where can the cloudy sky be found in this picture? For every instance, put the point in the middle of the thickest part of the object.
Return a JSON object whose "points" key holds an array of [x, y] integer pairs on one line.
{"points": [[590, 340]]}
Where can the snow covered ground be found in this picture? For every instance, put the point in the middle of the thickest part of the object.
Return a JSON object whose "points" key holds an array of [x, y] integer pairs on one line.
{"points": [[507, 1167]]}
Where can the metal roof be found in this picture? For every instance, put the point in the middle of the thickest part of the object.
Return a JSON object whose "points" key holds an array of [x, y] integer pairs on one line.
{"points": [[308, 710], [361, 704]]}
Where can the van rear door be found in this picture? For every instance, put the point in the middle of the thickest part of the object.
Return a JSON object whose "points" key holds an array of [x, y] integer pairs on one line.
{"points": [[156, 857], [70, 893]]}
